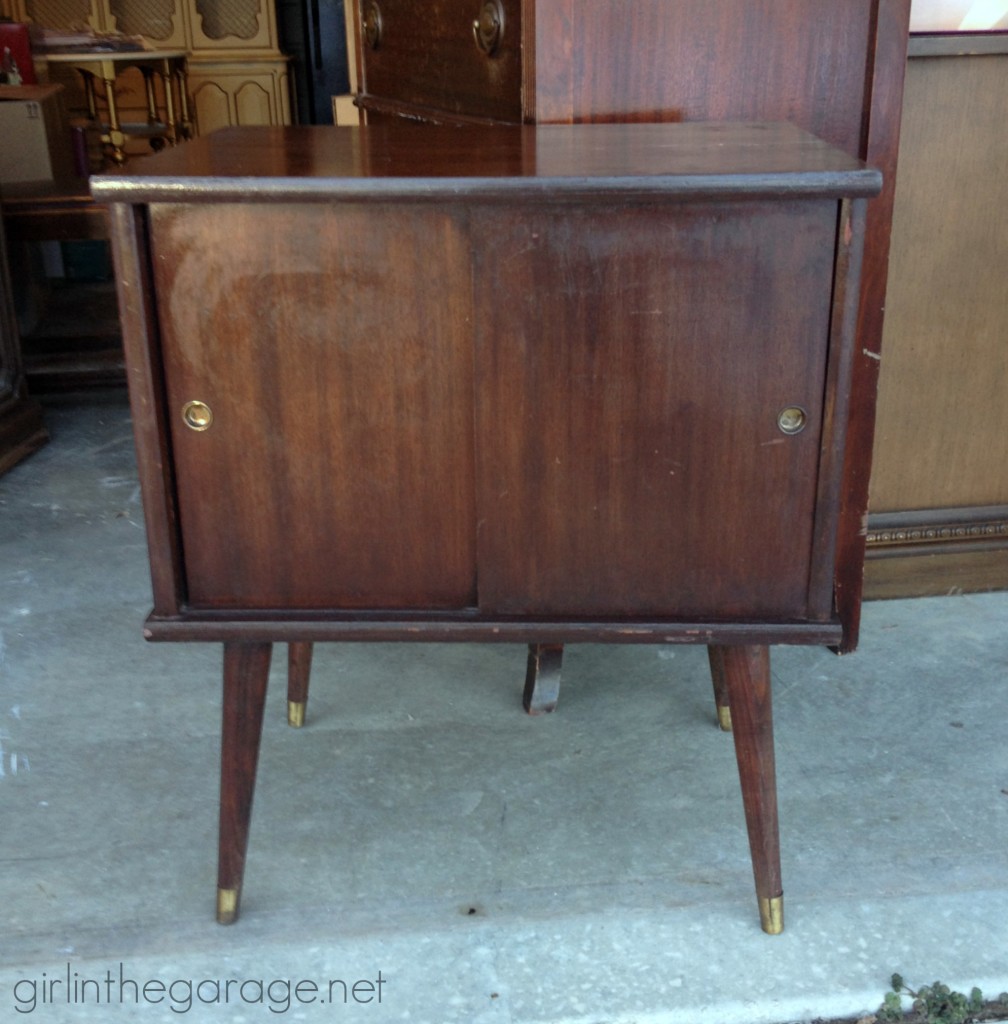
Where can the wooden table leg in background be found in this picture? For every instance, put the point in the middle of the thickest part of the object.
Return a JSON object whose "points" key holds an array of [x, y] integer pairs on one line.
{"points": [[715, 655], [246, 672], [299, 659], [542, 678]]}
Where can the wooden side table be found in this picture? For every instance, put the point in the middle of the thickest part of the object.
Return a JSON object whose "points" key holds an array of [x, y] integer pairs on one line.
{"points": [[507, 383], [169, 125]]}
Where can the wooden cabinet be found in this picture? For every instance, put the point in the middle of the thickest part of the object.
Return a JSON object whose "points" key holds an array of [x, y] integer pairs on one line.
{"points": [[835, 70], [498, 383], [237, 74], [939, 493]]}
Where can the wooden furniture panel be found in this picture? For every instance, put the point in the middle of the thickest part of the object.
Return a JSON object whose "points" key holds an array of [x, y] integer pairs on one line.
{"points": [[242, 25], [162, 20], [645, 518], [320, 337], [939, 490], [734, 60], [500, 383], [229, 93], [945, 411]]}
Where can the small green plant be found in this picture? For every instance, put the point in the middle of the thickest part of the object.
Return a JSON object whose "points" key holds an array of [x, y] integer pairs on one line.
{"points": [[933, 1004]]}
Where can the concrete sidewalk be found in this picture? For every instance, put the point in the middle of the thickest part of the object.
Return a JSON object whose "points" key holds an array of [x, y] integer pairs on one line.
{"points": [[423, 839]]}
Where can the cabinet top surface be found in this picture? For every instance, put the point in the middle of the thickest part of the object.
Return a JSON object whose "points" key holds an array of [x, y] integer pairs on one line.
{"points": [[427, 161]]}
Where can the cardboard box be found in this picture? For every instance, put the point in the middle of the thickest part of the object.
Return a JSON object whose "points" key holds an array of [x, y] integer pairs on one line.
{"points": [[35, 140]]}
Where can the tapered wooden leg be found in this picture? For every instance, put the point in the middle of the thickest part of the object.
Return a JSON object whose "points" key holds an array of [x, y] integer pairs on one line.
{"points": [[246, 671], [299, 658], [542, 678], [715, 655], [747, 678]]}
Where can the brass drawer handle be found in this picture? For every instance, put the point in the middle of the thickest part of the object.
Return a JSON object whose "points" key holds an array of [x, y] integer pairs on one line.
{"points": [[792, 420], [197, 416], [488, 28], [373, 25]]}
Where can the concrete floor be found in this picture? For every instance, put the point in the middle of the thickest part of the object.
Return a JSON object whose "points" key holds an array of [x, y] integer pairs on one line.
{"points": [[589, 867]]}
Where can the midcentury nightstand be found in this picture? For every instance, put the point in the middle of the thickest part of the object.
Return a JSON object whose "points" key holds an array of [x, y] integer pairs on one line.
{"points": [[493, 383]]}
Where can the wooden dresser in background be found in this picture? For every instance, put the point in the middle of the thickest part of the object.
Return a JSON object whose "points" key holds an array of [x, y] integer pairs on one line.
{"points": [[237, 74], [835, 70], [939, 490]]}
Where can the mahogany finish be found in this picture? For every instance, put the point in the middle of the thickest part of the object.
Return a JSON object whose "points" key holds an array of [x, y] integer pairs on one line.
{"points": [[599, 487], [387, 405], [498, 383]]}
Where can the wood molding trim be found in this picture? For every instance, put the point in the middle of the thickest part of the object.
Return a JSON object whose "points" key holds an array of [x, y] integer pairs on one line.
{"points": [[905, 533], [936, 552]]}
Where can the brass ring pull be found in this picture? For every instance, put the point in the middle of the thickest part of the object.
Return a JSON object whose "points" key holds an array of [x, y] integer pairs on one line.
{"points": [[197, 416], [373, 25], [488, 28], [792, 420]]}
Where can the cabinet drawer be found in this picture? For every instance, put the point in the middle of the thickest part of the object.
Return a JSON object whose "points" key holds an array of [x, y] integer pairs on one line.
{"points": [[417, 54]]}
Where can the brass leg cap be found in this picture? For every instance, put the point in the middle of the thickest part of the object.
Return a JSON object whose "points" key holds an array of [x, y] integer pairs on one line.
{"points": [[724, 717], [227, 906], [771, 912], [295, 713]]}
